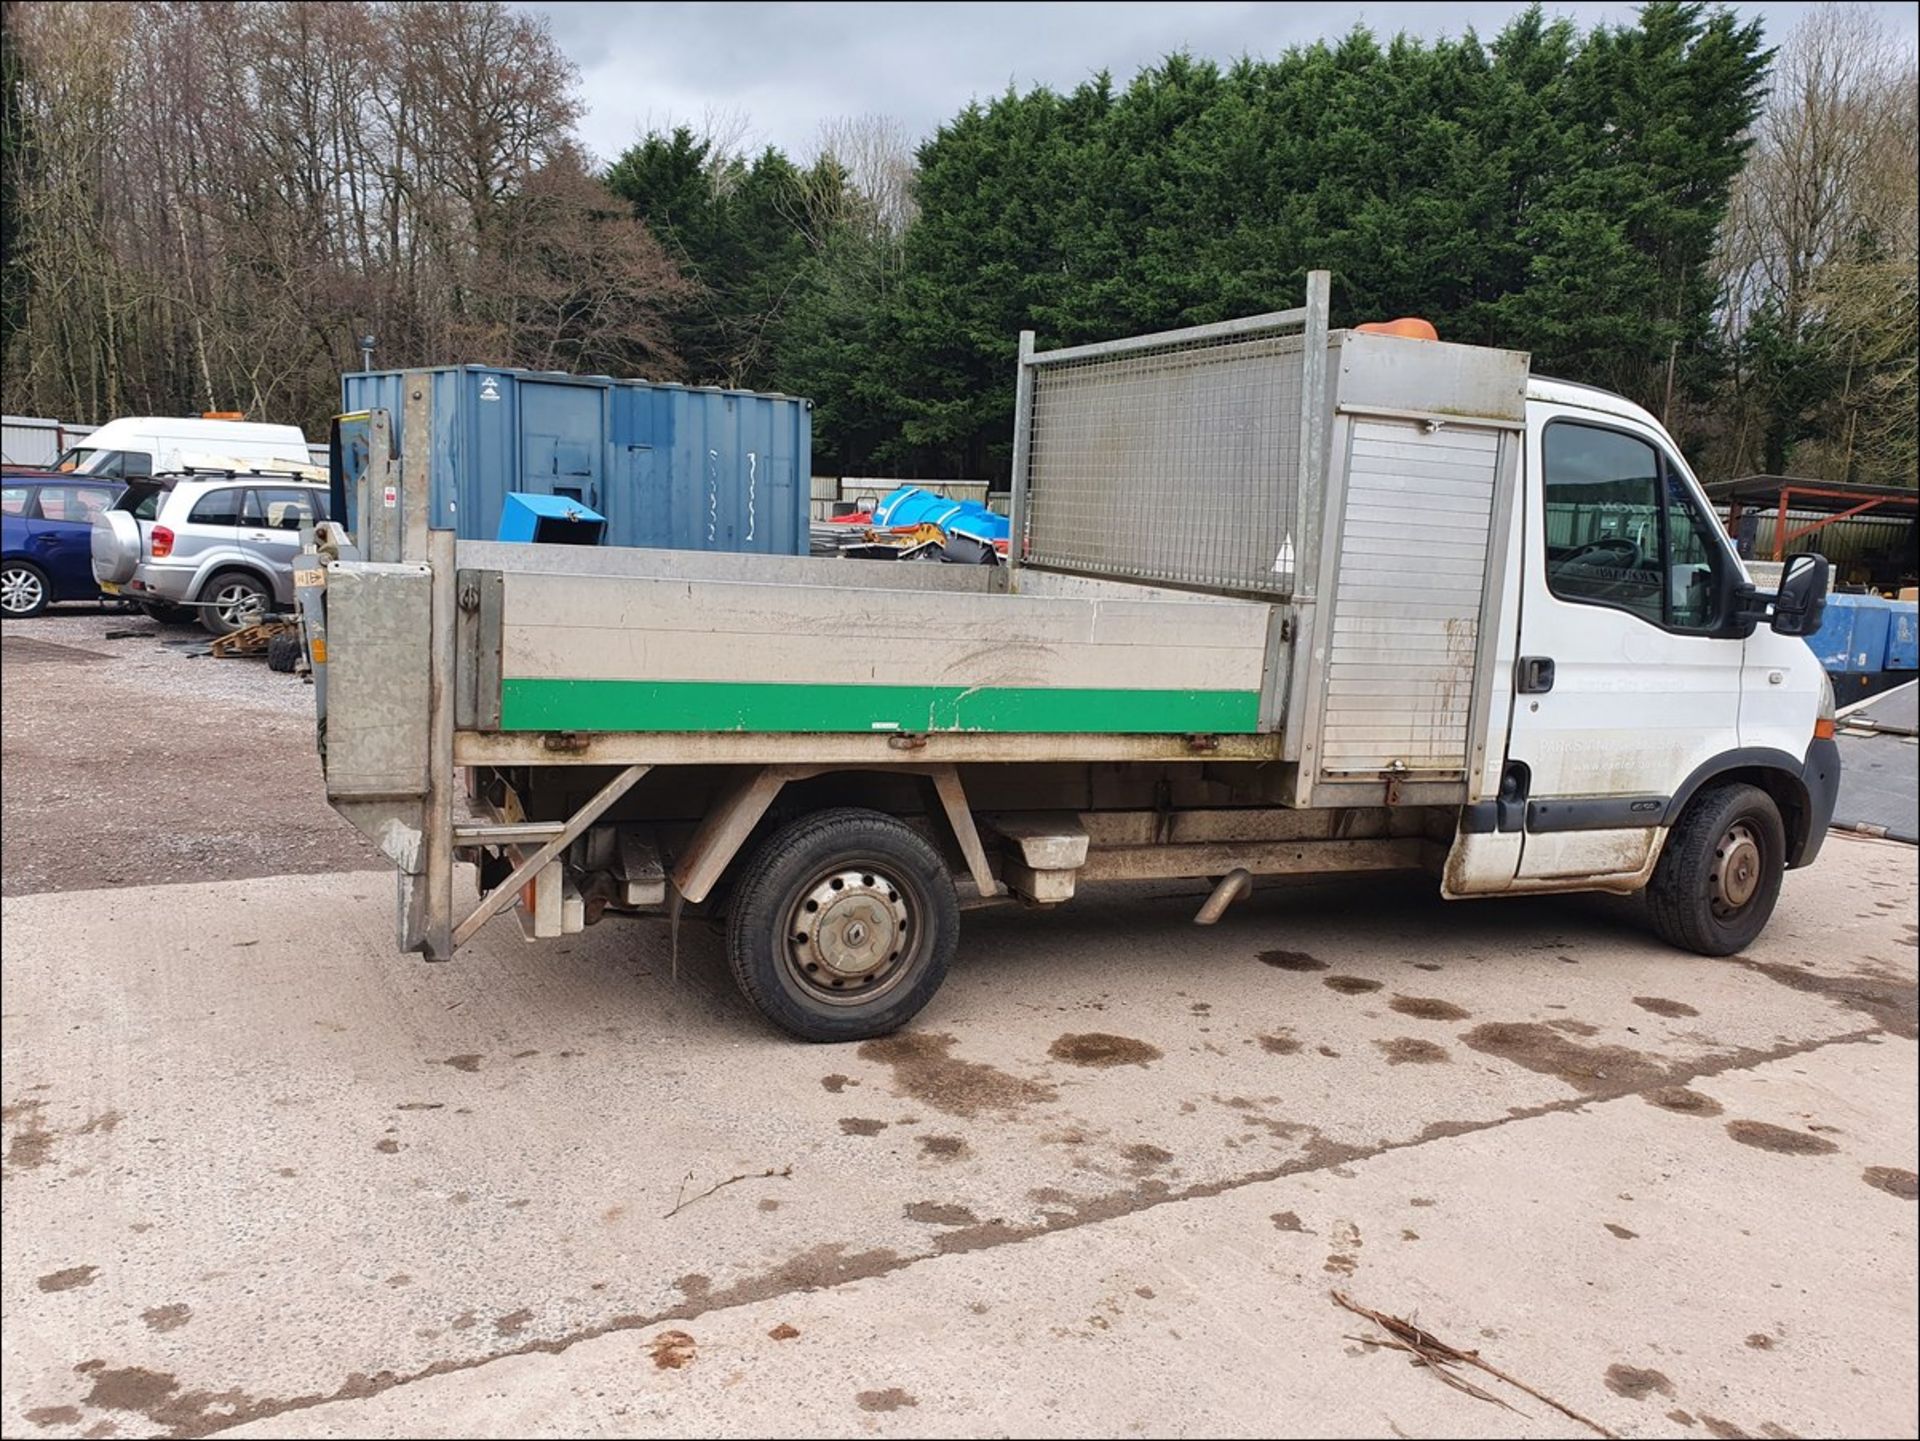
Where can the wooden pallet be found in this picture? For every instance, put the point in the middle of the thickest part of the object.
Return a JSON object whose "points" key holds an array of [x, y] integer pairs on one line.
{"points": [[253, 639]]}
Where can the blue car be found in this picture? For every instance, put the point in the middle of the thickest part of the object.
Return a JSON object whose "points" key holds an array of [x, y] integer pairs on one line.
{"points": [[46, 538]]}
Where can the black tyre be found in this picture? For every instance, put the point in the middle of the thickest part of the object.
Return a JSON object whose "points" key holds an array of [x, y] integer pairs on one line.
{"points": [[166, 613], [842, 925], [283, 652], [1718, 878], [24, 590], [233, 600]]}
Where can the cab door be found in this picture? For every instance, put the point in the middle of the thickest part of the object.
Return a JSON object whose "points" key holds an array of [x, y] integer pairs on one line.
{"points": [[1628, 677]]}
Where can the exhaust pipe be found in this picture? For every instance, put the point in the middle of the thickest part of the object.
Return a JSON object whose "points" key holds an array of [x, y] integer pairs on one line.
{"points": [[1234, 884]]}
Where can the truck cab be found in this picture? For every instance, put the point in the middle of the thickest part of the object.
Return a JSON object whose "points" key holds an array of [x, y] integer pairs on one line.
{"points": [[1641, 671]]}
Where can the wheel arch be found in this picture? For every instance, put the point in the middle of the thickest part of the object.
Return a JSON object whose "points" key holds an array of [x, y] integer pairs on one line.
{"points": [[223, 565], [1780, 775]]}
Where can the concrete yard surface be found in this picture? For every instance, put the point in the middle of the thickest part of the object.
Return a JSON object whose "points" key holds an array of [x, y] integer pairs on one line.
{"points": [[265, 1177]]}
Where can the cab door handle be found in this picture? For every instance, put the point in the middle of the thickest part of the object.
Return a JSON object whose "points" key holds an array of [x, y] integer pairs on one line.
{"points": [[1536, 675]]}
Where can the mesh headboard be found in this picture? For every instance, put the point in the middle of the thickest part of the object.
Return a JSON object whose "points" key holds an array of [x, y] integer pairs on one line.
{"points": [[1172, 458]]}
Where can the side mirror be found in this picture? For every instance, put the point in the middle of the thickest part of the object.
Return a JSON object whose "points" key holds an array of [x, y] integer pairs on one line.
{"points": [[1802, 601]]}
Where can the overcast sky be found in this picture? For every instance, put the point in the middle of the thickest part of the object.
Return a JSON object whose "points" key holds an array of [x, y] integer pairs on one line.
{"points": [[784, 69]]}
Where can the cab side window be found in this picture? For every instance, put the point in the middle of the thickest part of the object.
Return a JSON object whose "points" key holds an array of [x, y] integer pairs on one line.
{"points": [[1622, 529], [13, 500]]}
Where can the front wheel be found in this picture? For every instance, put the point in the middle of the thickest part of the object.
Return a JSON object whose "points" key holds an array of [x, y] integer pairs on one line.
{"points": [[1716, 883], [23, 590], [842, 926]]}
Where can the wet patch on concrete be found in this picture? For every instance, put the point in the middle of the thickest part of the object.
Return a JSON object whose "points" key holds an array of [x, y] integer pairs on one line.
{"points": [[1597, 1070], [944, 1148], [388, 1146], [836, 1083], [68, 1279], [1760, 1341], [1635, 1383], [31, 1145], [468, 1063], [157, 1396], [1427, 966], [1278, 1045], [1287, 1221], [168, 1318], [1725, 1430], [1621, 1232], [861, 1126], [1428, 1008], [783, 1332], [1780, 1139], [1101, 1050], [1661, 1006], [924, 1069], [940, 1213], [1144, 1158], [1684, 1102], [49, 1416], [513, 1323], [1292, 961], [1574, 1028], [1412, 1051], [671, 1350], [1350, 985], [1894, 1004], [1894, 1182], [891, 1399]]}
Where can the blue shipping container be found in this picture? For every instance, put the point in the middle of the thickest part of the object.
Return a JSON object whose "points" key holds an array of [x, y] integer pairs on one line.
{"points": [[1903, 636], [1852, 639], [672, 467]]}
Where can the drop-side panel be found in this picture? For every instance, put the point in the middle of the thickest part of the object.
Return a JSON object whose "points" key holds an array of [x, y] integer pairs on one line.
{"points": [[1404, 634], [625, 653]]}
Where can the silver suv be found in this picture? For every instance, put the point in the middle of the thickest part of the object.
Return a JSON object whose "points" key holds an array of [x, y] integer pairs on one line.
{"points": [[222, 544]]}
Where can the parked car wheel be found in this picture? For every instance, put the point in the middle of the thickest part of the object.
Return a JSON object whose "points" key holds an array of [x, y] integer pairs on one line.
{"points": [[1718, 878], [165, 613], [842, 925], [232, 601], [23, 590]]}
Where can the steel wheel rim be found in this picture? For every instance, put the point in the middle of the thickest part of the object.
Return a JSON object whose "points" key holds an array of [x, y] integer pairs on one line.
{"points": [[1739, 864], [20, 592], [852, 932], [236, 602]]}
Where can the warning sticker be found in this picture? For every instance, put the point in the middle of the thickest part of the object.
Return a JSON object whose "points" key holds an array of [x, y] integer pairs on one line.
{"points": [[391, 495]]}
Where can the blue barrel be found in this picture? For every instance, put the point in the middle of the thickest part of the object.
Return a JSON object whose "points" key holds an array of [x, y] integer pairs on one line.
{"points": [[673, 467]]}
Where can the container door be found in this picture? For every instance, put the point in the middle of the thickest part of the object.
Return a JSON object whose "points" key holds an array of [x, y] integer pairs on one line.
{"points": [[560, 440], [1621, 688]]}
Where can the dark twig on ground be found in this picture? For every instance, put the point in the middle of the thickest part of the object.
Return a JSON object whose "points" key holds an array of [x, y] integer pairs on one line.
{"points": [[768, 1174], [1438, 1357]]}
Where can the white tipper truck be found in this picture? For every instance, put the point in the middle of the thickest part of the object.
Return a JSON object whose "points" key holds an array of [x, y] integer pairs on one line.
{"points": [[1281, 600]]}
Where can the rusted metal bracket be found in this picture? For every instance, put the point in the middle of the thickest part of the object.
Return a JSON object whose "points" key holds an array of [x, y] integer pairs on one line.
{"points": [[953, 799]]}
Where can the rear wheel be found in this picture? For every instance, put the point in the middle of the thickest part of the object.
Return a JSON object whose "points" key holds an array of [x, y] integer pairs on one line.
{"points": [[842, 925], [1718, 879], [23, 590], [233, 600], [166, 613]]}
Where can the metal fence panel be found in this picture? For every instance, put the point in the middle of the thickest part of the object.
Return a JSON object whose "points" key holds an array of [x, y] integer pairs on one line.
{"points": [[1176, 462]]}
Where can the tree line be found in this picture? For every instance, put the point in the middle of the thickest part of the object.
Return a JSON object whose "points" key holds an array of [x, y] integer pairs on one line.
{"points": [[208, 203]]}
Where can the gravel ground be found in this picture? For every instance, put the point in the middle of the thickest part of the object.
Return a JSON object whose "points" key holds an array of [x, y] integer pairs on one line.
{"points": [[133, 762]]}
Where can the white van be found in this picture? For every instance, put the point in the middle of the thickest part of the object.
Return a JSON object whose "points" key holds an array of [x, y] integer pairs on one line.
{"points": [[157, 444]]}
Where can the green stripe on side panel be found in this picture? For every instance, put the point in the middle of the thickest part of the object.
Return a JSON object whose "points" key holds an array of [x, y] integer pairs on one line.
{"points": [[677, 705]]}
